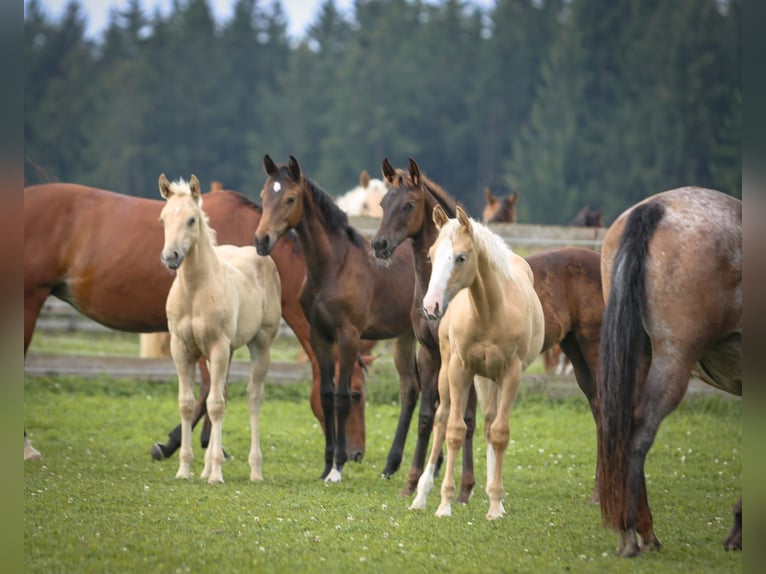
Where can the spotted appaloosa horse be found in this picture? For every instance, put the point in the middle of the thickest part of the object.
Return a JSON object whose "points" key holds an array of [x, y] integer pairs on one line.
{"points": [[672, 274]]}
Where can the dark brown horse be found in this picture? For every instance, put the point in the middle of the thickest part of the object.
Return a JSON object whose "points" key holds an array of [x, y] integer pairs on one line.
{"points": [[499, 210], [672, 274], [347, 295], [587, 217], [567, 282], [100, 251]]}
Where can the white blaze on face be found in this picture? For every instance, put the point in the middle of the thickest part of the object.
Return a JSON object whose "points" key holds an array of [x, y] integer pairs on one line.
{"points": [[441, 270]]}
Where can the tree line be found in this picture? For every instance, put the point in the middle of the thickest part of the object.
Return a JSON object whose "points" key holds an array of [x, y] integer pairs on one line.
{"points": [[569, 102]]}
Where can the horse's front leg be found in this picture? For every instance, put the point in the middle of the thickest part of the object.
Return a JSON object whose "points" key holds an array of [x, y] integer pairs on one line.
{"points": [[259, 366], [460, 382], [348, 352], [426, 480], [498, 437], [468, 480], [185, 368], [220, 357], [323, 349]]}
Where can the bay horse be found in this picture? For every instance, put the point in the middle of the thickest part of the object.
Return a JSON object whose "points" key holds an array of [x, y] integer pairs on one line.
{"points": [[499, 210], [672, 276], [346, 296], [567, 282], [491, 329], [223, 297], [96, 250]]}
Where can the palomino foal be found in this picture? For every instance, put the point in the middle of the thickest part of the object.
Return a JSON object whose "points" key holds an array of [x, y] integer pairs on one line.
{"points": [[223, 297], [492, 327]]}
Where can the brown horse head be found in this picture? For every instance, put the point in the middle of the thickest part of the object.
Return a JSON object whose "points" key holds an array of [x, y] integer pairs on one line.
{"points": [[403, 208], [499, 210], [282, 199]]}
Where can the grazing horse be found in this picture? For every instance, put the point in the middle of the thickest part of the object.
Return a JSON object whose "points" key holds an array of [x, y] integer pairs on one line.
{"points": [[499, 210], [74, 234], [672, 274], [365, 198], [223, 297], [491, 329], [346, 296], [567, 282]]}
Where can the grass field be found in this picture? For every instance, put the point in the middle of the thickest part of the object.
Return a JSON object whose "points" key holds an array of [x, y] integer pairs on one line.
{"points": [[98, 503]]}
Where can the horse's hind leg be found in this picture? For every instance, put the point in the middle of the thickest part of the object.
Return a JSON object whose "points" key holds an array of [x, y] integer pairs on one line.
{"points": [[185, 370], [259, 363], [734, 539], [406, 367], [467, 480]]}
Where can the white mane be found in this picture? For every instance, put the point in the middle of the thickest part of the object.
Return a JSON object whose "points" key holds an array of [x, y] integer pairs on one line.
{"points": [[181, 187], [488, 243]]}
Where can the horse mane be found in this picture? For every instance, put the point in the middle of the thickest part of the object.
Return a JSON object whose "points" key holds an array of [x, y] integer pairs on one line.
{"points": [[490, 245], [334, 216], [443, 198], [181, 187]]}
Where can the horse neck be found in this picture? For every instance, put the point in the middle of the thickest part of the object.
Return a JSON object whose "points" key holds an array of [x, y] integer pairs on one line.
{"points": [[200, 263], [316, 243], [423, 241], [486, 290]]}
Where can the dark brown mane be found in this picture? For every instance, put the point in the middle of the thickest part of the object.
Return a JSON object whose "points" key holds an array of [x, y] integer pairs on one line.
{"points": [[443, 198], [334, 216]]}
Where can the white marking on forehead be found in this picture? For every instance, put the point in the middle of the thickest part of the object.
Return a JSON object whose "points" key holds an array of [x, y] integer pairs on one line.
{"points": [[277, 187], [442, 265]]}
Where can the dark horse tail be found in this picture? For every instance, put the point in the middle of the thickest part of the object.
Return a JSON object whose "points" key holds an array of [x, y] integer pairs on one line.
{"points": [[625, 350]]}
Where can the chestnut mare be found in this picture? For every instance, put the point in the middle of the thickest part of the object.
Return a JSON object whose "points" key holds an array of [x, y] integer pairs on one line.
{"points": [[223, 297], [672, 275], [347, 295], [567, 282], [499, 210], [491, 328], [73, 237]]}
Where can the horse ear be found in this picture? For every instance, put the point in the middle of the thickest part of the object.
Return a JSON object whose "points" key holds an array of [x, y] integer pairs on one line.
{"points": [[513, 198], [295, 169], [462, 217], [414, 172], [364, 179], [164, 186], [491, 199], [440, 216], [269, 165], [388, 171], [194, 187]]}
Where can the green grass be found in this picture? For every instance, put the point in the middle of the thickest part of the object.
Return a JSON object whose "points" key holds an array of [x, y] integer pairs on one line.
{"points": [[98, 503]]}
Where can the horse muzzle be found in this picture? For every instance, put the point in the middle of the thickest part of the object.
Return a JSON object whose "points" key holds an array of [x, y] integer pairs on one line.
{"points": [[264, 245], [172, 259], [381, 248]]}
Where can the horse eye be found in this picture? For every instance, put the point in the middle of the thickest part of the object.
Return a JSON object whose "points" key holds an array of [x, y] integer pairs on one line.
{"points": [[290, 200], [460, 258], [408, 207], [192, 221]]}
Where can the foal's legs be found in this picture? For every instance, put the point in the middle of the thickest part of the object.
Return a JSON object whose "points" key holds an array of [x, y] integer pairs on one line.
{"points": [[426, 481], [323, 348], [499, 434], [259, 361], [220, 358], [406, 367], [460, 382], [185, 369]]}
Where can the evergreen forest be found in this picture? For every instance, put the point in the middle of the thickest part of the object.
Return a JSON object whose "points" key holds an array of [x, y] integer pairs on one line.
{"points": [[568, 102]]}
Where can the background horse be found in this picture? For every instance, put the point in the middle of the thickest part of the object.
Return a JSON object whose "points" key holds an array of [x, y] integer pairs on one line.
{"points": [[672, 275], [365, 198], [567, 282], [491, 329], [346, 296], [587, 218], [73, 237], [499, 210], [222, 298]]}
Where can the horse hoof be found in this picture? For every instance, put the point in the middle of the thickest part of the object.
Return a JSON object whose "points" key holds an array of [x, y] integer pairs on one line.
{"points": [[334, 476], [407, 490], [157, 452]]}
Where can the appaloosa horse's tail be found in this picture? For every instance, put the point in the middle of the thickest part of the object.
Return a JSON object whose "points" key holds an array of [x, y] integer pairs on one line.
{"points": [[625, 352]]}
